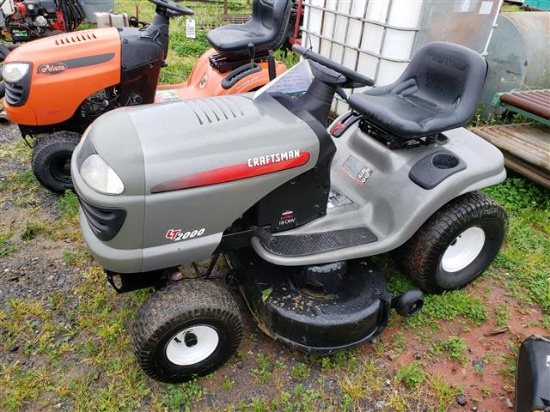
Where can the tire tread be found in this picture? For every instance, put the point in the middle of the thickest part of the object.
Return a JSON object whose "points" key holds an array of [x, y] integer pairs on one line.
{"points": [[186, 299], [44, 148], [415, 257]]}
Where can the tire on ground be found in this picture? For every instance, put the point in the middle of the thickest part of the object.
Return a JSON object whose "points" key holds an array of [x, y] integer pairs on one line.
{"points": [[51, 160], [188, 329], [455, 245]]}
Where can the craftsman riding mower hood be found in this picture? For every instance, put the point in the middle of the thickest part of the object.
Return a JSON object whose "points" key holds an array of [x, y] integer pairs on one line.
{"points": [[296, 209]]}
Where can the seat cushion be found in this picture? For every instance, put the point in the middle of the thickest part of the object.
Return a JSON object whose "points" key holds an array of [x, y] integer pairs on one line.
{"points": [[233, 39], [403, 116], [438, 91]]}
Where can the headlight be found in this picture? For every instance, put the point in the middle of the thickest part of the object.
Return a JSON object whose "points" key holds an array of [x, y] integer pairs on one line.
{"points": [[100, 177], [13, 72]]}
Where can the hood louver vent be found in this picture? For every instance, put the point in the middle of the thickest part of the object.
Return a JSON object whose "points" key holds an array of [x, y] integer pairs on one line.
{"points": [[215, 110], [75, 38]]}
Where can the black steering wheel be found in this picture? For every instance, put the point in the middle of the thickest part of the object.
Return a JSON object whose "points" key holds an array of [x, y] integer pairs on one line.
{"points": [[173, 6], [353, 79]]}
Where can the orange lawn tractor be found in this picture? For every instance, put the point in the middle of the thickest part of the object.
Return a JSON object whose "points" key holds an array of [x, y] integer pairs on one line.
{"points": [[55, 87]]}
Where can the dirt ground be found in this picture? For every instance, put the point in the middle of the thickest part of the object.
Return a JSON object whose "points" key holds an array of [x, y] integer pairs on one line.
{"points": [[37, 269]]}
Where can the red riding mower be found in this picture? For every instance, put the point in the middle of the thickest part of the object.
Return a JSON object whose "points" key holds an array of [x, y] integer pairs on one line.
{"points": [[22, 21]]}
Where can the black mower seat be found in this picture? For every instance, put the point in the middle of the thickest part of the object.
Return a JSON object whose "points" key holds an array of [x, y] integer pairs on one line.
{"points": [[266, 30], [439, 90]]}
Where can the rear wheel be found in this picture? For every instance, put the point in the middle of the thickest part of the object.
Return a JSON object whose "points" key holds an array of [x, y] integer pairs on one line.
{"points": [[455, 245], [188, 329], [51, 160]]}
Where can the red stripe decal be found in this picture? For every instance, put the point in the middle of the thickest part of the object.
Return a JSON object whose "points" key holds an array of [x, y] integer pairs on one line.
{"points": [[230, 173]]}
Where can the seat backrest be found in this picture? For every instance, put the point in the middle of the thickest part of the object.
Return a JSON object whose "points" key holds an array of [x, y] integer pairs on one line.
{"points": [[439, 90], [447, 75], [266, 30], [271, 13]]}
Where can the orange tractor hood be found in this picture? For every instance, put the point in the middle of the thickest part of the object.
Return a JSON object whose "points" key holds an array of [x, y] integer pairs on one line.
{"points": [[83, 62]]}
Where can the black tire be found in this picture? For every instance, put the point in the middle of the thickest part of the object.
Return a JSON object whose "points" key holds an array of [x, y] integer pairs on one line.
{"points": [[409, 303], [470, 229], [51, 160], [188, 329]]}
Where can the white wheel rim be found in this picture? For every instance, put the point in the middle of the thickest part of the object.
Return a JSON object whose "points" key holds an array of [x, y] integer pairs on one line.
{"points": [[192, 345], [463, 250]]}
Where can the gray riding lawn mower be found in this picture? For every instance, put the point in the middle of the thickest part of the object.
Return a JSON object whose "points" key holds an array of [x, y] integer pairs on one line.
{"points": [[296, 209]]}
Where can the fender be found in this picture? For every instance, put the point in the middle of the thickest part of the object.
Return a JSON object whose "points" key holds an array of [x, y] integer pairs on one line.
{"points": [[205, 80]]}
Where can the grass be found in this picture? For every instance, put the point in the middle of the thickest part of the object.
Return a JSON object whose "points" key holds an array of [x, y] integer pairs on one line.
{"points": [[81, 354], [453, 346], [524, 260], [88, 331], [6, 246], [412, 375]]}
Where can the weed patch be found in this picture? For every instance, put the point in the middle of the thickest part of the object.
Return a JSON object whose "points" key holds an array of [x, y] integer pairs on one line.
{"points": [[33, 229], [453, 346], [69, 206], [412, 375], [7, 247], [449, 306], [180, 397]]}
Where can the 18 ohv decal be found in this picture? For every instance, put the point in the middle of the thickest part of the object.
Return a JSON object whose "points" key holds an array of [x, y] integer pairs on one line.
{"points": [[178, 234], [52, 68]]}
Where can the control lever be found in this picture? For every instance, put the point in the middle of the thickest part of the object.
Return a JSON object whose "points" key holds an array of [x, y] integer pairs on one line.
{"points": [[271, 65], [252, 54]]}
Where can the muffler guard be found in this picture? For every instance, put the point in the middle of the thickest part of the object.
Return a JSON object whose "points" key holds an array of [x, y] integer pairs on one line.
{"points": [[314, 322]]}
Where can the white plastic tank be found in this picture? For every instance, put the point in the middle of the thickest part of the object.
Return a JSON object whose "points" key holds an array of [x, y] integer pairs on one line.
{"points": [[379, 37], [91, 7], [7, 8]]}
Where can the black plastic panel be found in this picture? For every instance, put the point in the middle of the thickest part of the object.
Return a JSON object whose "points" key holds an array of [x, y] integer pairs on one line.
{"points": [[533, 375], [105, 223], [434, 168], [310, 244]]}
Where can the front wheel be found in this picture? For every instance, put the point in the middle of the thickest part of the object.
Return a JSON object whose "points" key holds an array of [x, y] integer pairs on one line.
{"points": [[51, 160], [188, 329], [455, 245]]}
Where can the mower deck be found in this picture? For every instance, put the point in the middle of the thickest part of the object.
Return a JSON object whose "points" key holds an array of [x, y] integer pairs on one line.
{"points": [[309, 318]]}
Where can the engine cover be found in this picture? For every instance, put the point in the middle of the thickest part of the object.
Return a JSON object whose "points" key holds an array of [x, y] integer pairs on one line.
{"points": [[190, 169]]}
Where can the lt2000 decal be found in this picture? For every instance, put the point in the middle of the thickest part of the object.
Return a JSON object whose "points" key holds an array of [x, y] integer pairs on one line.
{"points": [[178, 234]]}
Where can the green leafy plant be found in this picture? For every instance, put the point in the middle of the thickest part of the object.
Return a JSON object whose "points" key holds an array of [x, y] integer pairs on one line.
{"points": [[265, 368], [180, 397], [412, 375], [454, 346], [300, 371], [33, 229], [6, 246], [69, 205]]}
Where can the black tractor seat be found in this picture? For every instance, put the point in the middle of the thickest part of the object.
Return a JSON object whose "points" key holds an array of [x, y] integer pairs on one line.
{"points": [[438, 91], [266, 30]]}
